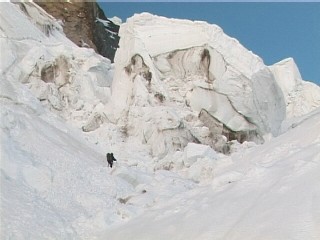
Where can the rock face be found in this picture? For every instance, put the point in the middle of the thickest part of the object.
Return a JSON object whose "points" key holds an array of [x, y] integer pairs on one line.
{"points": [[85, 24], [105, 35]]}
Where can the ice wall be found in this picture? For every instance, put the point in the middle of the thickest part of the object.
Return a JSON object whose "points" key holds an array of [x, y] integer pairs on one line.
{"points": [[192, 66]]}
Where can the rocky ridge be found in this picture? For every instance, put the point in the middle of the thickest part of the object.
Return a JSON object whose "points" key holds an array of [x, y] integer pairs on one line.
{"points": [[85, 24]]}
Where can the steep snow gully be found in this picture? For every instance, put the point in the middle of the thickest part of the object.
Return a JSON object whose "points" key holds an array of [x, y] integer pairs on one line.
{"points": [[210, 142]]}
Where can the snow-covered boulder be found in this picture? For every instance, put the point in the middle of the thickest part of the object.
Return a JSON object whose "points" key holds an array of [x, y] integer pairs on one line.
{"points": [[194, 151], [202, 171]]}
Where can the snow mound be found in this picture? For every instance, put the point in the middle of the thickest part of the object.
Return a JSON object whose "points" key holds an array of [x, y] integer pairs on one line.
{"points": [[195, 151]]}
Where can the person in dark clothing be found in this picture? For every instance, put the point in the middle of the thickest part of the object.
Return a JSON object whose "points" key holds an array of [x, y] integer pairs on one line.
{"points": [[110, 159]]}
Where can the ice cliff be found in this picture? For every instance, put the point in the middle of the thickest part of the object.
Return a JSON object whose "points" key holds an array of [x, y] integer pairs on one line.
{"points": [[301, 97], [199, 83]]}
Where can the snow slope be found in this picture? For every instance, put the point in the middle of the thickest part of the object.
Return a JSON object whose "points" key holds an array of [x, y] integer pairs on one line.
{"points": [[265, 192], [62, 111], [50, 179]]}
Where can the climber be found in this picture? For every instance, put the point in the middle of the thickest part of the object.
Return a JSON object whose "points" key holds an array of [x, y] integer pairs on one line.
{"points": [[110, 159]]}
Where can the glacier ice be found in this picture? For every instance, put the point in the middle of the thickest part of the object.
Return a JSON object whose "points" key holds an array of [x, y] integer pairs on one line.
{"points": [[193, 66], [301, 97]]}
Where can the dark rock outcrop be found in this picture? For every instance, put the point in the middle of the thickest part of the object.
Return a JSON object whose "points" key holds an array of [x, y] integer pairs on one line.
{"points": [[105, 35], [85, 24]]}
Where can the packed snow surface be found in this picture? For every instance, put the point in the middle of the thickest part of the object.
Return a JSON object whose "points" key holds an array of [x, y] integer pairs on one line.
{"points": [[264, 192], [64, 107]]}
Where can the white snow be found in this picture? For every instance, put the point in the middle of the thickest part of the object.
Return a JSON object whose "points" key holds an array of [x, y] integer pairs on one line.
{"points": [[116, 20], [194, 151], [265, 192], [64, 107]]}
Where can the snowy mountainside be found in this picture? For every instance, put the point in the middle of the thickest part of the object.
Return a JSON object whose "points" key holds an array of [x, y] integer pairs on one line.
{"points": [[48, 178], [69, 80], [160, 109]]}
